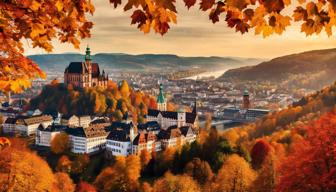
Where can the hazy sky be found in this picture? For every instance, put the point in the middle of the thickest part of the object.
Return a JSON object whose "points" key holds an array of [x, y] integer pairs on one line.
{"points": [[193, 35]]}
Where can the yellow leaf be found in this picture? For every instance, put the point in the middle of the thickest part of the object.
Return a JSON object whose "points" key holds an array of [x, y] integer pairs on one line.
{"points": [[59, 6], [267, 31], [35, 5]]}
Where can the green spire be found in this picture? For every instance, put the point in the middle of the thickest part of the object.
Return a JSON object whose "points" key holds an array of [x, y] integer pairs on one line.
{"points": [[161, 98], [246, 93], [87, 53]]}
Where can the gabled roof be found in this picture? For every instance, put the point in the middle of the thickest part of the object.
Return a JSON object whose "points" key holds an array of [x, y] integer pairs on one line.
{"points": [[95, 70], [191, 117], [68, 116], [142, 138], [89, 132], [10, 120], [118, 135], [76, 67], [150, 126], [169, 133], [186, 130], [53, 128], [34, 119]]}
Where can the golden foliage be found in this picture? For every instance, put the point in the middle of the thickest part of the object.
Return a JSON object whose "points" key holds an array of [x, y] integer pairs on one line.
{"points": [[64, 182], [22, 170], [60, 143], [39, 22], [235, 175], [181, 183]]}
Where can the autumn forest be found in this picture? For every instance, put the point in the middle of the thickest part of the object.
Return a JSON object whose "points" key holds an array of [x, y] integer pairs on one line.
{"points": [[292, 149]]}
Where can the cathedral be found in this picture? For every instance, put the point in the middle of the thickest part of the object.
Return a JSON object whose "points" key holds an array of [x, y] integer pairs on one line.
{"points": [[85, 74]]}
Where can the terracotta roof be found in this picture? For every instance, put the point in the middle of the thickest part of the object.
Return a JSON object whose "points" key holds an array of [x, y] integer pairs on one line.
{"points": [[142, 138], [89, 132], [34, 119]]}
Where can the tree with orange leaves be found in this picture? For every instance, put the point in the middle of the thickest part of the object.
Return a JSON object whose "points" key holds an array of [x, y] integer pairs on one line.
{"points": [[85, 187], [64, 182], [60, 143], [310, 166], [23, 170]]}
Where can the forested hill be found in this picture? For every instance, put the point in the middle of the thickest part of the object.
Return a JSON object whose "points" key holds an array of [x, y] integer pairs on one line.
{"points": [[313, 69], [119, 61]]}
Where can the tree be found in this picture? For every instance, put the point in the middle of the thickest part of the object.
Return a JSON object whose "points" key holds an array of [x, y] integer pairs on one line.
{"points": [[64, 182], [64, 164], [199, 170], [80, 163], [39, 22], [124, 89], [23, 170], [171, 183], [145, 157], [4, 142], [310, 166], [235, 175], [60, 143], [259, 153], [85, 187], [122, 176]]}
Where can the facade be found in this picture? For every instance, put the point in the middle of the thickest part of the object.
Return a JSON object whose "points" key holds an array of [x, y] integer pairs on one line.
{"points": [[9, 125], [28, 125], [146, 141], [119, 140], [87, 140], [75, 121], [44, 136], [85, 74]]}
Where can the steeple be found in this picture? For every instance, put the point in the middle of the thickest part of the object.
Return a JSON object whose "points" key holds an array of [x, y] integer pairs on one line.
{"points": [[88, 54], [195, 107], [161, 101]]}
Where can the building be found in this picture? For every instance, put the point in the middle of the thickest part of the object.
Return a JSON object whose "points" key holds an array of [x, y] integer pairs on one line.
{"points": [[9, 125], [118, 143], [44, 136], [246, 100], [75, 121], [27, 125], [170, 137], [161, 100], [170, 118], [87, 140], [85, 74], [146, 141]]}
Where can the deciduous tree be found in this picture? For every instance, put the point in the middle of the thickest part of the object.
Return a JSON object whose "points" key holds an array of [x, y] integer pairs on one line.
{"points": [[23, 170], [199, 170], [235, 175], [64, 182], [60, 143], [310, 166], [180, 183]]}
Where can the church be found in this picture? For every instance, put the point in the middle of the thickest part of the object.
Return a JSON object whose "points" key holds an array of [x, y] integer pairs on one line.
{"points": [[85, 74], [167, 118]]}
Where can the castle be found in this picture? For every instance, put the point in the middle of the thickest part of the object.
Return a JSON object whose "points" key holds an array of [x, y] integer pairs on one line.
{"points": [[85, 74]]}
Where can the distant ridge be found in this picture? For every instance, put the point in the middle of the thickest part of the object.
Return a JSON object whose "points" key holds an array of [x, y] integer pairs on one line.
{"points": [[142, 62], [311, 69]]}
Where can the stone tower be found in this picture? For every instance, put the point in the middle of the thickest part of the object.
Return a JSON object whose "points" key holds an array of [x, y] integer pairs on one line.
{"points": [[246, 100]]}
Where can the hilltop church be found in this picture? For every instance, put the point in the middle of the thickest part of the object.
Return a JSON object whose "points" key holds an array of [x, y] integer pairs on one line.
{"points": [[85, 74]]}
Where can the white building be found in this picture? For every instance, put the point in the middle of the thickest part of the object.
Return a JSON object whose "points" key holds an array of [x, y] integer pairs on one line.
{"points": [[9, 125], [119, 140], [87, 140], [28, 125], [146, 141], [75, 121], [44, 136]]}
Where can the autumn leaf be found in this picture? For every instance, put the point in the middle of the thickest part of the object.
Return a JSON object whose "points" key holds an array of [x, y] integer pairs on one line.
{"points": [[189, 3]]}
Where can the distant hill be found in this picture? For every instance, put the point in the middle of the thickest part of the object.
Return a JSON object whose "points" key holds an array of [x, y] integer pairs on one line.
{"points": [[312, 69], [145, 62]]}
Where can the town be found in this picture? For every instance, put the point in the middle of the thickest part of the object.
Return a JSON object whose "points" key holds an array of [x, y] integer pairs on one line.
{"points": [[162, 128]]}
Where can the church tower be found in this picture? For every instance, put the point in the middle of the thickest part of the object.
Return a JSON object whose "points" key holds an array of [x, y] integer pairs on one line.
{"points": [[246, 100], [161, 100], [88, 77]]}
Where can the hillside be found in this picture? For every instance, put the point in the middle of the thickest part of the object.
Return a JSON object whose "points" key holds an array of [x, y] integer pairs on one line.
{"points": [[313, 69], [145, 62]]}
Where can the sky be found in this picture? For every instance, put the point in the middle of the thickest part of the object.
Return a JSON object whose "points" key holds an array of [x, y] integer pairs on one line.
{"points": [[193, 35]]}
